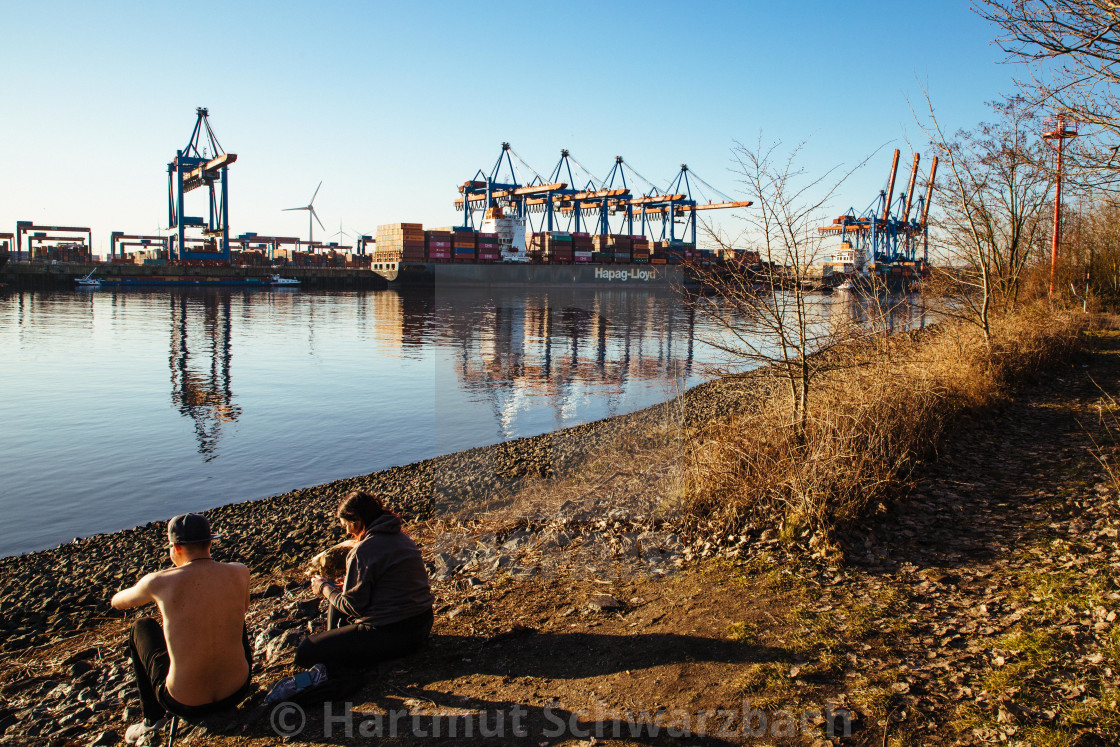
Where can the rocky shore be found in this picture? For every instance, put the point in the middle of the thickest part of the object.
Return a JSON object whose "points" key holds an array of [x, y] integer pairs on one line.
{"points": [[55, 593], [54, 603], [979, 609]]}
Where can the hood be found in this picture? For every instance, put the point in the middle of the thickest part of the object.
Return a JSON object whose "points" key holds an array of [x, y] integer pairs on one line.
{"points": [[386, 524]]}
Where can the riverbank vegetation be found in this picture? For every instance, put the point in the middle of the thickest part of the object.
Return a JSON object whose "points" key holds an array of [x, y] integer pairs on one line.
{"points": [[885, 406]]}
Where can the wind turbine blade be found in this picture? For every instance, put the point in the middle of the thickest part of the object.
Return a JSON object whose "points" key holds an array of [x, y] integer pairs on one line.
{"points": [[316, 193], [299, 208], [317, 219]]}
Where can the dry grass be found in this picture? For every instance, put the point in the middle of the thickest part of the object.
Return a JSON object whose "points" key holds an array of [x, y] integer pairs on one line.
{"points": [[871, 422]]}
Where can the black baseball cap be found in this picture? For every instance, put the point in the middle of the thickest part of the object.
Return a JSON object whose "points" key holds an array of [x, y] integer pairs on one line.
{"points": [[186, 529]]}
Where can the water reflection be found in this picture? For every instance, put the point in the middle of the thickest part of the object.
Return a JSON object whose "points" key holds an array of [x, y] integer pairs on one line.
{"points": [[573, 353], [326, 385], [565, 351], [892, 313], [200, 354]]}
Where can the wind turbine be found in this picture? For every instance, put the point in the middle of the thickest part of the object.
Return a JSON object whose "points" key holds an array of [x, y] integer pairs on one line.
{"points": [[341, 234], [310, 208]]}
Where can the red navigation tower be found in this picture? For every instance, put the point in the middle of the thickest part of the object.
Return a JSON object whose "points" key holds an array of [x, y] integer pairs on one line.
{"points": [[1057, 128]]}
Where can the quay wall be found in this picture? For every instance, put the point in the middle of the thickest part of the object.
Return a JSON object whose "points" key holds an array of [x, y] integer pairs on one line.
{"points": [[39, 276]]}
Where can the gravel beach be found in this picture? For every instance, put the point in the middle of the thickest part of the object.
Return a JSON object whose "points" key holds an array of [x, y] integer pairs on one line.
{"points": [[52, 594]]}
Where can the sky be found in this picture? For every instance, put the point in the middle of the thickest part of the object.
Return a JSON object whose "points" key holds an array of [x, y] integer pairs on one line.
{"points": [[392, 105]]}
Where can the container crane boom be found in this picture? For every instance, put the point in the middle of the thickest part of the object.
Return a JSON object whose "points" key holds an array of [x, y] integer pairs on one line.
{"points": [[890, 188], [910, 189], [929, 192]]}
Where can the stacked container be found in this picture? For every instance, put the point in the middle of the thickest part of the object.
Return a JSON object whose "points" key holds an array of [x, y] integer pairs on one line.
{"points": [[620, 249], [601, 249], [438, 243], [639, 250], [558, 249], [488, 248], [463, 243], [400, 242], [582, 247], [536, 247]]}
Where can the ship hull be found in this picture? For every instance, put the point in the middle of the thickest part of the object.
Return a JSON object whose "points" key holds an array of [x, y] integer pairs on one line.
{"points": [[515, 274]]}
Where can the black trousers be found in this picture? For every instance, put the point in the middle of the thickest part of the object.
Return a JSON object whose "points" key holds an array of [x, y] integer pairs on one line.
{"points": [[151, 664], [361, 646]]}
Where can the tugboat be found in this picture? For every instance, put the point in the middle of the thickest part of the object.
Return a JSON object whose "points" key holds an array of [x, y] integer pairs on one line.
{"points": [[277, 280]]}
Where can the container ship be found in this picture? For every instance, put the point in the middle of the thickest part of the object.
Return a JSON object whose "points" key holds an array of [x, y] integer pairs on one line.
{"points": [[409, 254]]}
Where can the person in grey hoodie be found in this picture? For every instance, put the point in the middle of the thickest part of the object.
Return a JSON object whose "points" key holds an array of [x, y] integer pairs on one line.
{"points": [[384, 608]]}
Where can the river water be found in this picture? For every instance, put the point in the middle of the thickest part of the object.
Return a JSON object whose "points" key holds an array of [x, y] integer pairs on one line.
{"points": [[121, 407]]}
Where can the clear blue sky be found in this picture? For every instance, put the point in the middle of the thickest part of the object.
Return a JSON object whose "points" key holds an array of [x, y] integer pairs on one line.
{"points": [[392, 105]]}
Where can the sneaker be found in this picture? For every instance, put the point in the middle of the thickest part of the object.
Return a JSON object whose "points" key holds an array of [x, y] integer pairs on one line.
{"points": [[136, 732], [298, 683]]}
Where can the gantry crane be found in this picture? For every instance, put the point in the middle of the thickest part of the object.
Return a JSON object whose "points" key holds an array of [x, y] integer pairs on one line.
{"points": [[590, 206], [200, 164], [119, 241], [884, 233]]}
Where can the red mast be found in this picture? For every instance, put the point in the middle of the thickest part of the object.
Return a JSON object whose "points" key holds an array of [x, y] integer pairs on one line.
{"points": [[1057, 128]]}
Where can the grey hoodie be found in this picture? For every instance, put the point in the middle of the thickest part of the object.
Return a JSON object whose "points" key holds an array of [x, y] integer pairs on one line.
{"points": [[385, 577]]}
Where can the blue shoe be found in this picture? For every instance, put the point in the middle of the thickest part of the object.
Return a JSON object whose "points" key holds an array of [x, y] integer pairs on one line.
{"points": [[298, 683]]}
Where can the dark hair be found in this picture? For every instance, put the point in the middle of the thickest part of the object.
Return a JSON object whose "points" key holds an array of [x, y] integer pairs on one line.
{"points": [[358, 505]]}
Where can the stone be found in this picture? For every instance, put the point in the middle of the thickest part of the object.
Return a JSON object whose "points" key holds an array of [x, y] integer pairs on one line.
{"points": [[105, 738], [280, 646], [308, 608], [272, 590], [79, 656], [602, 603]]}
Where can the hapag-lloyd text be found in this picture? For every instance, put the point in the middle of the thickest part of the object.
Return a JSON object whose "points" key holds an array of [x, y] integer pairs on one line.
{"points": [[643, 275]]}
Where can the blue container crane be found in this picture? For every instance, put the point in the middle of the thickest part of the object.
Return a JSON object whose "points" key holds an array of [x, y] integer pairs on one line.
{"points": [[200, 164], [884, 233]]}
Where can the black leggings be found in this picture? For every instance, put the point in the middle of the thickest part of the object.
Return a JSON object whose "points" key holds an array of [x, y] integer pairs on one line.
{"points": [[361, 646], [151, 664]]}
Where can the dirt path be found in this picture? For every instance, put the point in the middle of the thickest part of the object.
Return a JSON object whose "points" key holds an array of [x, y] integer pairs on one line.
{"points": [[979, 610]]}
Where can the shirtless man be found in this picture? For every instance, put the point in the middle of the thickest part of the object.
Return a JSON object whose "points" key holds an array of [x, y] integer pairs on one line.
{"points": [[200, 662]]}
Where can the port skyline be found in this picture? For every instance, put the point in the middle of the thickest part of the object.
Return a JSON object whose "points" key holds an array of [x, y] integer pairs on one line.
{"points": [[373, 101]]}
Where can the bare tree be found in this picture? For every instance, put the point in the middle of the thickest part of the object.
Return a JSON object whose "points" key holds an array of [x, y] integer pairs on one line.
{"points": [[994, 209], [765, 311], [1073, 51]]}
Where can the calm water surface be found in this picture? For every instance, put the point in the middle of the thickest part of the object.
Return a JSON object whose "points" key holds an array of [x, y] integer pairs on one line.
{"points": [[121, 407]]}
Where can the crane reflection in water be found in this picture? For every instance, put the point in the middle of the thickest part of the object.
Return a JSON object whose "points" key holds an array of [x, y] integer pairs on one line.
{"points": [[200, 354], [556, 348]]}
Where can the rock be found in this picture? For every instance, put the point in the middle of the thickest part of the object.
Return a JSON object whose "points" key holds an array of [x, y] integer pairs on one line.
{"points": [[80, 668], [272, 590], [331, 563], [78, 716], [280, 646], [602, 603], [308, 608], [105, 738], [80, 656]]}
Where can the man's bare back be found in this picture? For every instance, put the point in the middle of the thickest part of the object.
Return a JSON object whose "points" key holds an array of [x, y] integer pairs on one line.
{"points": [[203, 603]]}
